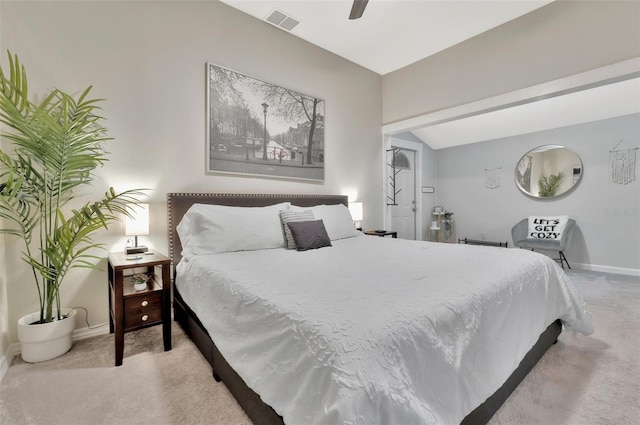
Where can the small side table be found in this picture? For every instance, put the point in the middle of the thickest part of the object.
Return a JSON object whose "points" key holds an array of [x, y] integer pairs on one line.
{"points": [[381, 233], [129, 309], [433, 234]]}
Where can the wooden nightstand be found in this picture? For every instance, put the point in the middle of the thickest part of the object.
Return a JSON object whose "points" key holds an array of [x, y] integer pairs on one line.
{"points": [[129, 309]]}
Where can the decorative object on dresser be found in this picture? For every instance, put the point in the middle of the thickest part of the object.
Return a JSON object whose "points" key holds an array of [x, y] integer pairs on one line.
{"points": [[282, 131], [131, 308], [57, 144]]}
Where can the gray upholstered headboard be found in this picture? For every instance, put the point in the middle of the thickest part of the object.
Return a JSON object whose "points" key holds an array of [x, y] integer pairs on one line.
{"points": [[179, 203]]}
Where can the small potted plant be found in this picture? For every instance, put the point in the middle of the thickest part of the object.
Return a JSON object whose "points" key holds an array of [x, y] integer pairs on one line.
{"points": [[140, 281], [447, 222]]}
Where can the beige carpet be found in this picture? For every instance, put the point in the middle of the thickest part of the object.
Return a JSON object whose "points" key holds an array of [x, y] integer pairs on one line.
{"points": [[581, 380], [83, 387], [44, 396], [587, 380]]}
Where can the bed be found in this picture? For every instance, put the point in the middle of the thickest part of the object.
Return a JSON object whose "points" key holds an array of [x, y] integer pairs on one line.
{"points": [[291, 349]]}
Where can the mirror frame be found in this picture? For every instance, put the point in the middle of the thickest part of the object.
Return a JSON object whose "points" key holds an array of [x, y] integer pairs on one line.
{"points": [[572, 176]]}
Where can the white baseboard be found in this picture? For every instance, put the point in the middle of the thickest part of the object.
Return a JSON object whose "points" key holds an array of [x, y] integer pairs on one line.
{"points": [[606, 269], [593, 267], [83, 333], [4, 365], [7, 358]]}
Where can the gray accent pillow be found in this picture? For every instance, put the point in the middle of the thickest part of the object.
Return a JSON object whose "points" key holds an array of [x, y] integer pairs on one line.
{"points": [[288, 216], [309, 234]]}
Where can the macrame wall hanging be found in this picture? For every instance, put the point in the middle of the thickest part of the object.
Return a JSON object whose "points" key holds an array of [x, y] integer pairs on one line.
{"points": [[623, 163], [492, 177]]}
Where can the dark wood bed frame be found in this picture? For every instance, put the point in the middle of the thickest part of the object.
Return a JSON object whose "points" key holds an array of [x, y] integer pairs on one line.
{"points": [[259, 412]]}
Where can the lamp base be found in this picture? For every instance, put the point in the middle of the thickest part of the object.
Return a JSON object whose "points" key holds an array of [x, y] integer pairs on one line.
{"points": [[136, 250]]}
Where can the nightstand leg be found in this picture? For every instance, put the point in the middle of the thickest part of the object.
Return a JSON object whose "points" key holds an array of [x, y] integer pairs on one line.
{"points": [[166, 306], [166, 333], [118, 315], [111, 280], [119, 344]]}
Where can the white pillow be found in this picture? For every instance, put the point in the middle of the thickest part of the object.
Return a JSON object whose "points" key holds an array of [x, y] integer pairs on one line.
{"points": [[337, 220], [212, 229], [288, 216], [547, 227]]}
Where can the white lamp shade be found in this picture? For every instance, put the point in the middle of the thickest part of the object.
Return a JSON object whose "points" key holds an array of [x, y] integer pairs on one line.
{"points": [[355, 208], [138, 223]]}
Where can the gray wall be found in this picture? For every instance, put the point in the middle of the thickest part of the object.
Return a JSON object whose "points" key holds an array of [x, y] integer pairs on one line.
{"points": [[607, 214], [147, 59], [560, 39]]}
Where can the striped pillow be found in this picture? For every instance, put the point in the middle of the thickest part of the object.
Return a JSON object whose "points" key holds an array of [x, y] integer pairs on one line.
{"points": [[287, 216]]}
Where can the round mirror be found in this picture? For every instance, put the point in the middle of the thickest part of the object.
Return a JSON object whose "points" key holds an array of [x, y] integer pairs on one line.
{"points": [[548, 171]]}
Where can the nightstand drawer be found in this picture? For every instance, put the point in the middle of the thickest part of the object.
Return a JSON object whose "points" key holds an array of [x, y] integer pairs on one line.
{"points": [[142, 310]]}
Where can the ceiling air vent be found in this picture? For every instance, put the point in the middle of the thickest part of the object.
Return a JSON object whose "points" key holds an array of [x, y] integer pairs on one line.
{"points": [[283, 21]]}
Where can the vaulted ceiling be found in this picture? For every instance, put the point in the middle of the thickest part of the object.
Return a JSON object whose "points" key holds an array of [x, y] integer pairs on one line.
{"points": [[393, 34], [390, 34]]}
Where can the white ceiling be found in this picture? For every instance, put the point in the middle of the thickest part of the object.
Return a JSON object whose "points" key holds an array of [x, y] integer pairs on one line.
{"points": [[392, 34], [607, 101]]}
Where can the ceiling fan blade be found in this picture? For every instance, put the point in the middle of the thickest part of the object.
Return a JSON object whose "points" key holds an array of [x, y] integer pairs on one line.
{"points": [[358, 8]]}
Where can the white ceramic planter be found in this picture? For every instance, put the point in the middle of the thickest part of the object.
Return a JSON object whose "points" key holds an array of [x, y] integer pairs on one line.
{"points": [[140, 286], [45, 341]]}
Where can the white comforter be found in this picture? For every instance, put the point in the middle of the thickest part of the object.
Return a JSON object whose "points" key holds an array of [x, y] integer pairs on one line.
{"points": [[376, 330]]}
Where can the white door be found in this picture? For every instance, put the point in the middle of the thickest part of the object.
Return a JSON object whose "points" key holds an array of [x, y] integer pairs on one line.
{"points": [[403, 215]]}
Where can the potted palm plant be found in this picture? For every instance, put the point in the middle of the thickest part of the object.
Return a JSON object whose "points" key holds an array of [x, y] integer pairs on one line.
{"points": [[57, 143]]}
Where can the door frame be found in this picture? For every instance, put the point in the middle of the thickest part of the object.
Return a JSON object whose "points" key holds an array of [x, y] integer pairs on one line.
{"points": [[394, 142]]}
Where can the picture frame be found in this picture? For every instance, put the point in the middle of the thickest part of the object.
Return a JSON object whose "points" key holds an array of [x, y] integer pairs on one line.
{"points": [[256, 128], [438, 210]]}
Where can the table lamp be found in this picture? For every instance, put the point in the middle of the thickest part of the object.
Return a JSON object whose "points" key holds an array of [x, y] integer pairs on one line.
{"points": [[355, 208], [137, 225]]}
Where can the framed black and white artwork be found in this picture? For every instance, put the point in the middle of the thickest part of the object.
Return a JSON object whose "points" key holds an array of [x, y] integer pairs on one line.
{"points": [[261, 129]]}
